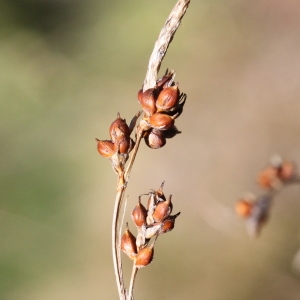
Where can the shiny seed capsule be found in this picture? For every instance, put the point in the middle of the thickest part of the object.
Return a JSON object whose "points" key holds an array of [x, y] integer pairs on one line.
{"points": [[119, 129], [147, 100], [105, 148], [144, 257], [161, 121], [139, 214], [128, 244], [162, 210], [168, 98]]}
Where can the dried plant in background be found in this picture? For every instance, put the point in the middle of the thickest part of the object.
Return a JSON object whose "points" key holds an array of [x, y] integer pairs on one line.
{"points": [[256, 209], [162, 103]]}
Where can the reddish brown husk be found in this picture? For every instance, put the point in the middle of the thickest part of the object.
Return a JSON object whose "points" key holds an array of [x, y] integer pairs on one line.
{"points": [[147, 100], [105, 148], [168, 98], [144, 257], [139, 214], [119, 129], [162, 210], [161, 121], [128, 244]]}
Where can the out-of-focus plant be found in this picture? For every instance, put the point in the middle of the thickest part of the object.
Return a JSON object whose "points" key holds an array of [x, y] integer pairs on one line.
{"points": [[273, 178]]}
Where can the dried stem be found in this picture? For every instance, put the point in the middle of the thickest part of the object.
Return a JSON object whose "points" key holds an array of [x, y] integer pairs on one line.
{"points": [[132, 281], [161, 46], [165, 38]]}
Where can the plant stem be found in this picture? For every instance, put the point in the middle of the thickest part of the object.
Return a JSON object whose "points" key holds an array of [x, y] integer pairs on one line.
{"points": [[115, 243], [132, 280], [116, 236], [162, 44]]}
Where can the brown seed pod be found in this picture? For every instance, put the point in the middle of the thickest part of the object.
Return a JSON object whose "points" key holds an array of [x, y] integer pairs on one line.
{"points": [[105, 148], [144, 257], [155, 139], [139, 214], [268, 178], [168, 224], [243, 208], [147, 99], [287, 171], [124, 145], [119, 129], [161, 121], [128, 244], [163, 210], [168, 98]]}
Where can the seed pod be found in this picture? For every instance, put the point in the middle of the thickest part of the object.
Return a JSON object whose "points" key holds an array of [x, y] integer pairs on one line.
{"points": [[128, 244], [161, 121], [243, 208], [268, 178], [287, 171], [139, 214], [147, 99], [105, 148], [119, 129], [144, 257], [168, 224], [155, 139], [163, 210], [124, 145], [176, 112], [168, 98]]}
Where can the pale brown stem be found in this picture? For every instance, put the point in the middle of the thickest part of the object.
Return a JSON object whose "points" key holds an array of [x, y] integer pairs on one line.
{"points": [[115, 243], [132, 280], [116, 230], [164, 39]]}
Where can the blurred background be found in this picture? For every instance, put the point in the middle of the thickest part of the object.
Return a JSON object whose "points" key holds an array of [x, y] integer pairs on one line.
{"points": [[67, 68]]}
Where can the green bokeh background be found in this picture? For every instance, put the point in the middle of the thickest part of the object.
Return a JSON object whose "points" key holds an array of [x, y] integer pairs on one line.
{"points": [[67, 68]]}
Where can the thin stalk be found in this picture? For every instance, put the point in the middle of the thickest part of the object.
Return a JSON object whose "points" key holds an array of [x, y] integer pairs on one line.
{"points": [[132, 280], [115, 244], [116, 236]]}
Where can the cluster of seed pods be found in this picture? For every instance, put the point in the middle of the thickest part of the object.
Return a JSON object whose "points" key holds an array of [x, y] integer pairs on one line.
{"points": [[120, 141], [256, 209], [150, 222], [161, 105]]}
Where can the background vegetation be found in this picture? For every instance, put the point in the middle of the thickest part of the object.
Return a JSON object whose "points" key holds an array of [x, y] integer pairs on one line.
{"points": [[67, 68]]}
